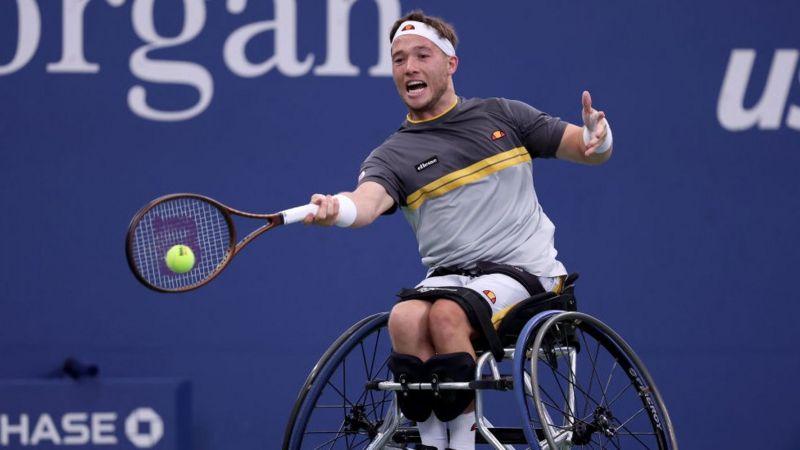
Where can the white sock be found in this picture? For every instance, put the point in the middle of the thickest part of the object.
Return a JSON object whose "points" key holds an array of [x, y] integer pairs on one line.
{"points": [[462, 432], [433, 432]]}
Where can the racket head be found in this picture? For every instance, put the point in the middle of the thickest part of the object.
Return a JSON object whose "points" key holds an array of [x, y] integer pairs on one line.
{"points": [[201, 223]]}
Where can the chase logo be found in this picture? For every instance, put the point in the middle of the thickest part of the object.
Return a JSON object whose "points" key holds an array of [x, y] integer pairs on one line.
{"points": [[144, 428]]}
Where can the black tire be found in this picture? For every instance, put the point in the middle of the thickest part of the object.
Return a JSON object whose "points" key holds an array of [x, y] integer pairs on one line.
{"points": [[334, 410], [616, 403]]}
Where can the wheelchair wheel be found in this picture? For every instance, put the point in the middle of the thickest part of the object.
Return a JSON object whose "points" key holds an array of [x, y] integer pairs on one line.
{"points": [[334, 410], [581, 385]]}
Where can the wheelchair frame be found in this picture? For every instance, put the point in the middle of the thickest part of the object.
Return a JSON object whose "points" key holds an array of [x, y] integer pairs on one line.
{"points": [[574, 416]]}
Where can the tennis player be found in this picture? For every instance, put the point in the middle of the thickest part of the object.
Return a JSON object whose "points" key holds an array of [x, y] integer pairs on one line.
{"points": [[461, 172]]}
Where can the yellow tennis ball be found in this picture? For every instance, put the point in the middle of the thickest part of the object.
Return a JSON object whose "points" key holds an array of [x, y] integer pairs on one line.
{"points": [[180, 258]]}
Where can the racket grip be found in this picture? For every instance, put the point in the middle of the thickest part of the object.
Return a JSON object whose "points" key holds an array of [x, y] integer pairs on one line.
{"points": [[347, 212], [298, 213]]}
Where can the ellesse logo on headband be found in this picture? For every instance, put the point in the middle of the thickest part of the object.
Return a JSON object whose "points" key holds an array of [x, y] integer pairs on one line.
{"points": [[408, 27]]}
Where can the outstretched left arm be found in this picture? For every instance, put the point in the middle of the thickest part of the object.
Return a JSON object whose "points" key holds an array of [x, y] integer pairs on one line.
{"points": [[581, 144]]}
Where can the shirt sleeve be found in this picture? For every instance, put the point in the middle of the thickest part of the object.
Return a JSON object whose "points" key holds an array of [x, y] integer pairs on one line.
{"points": [[540, 133], [375, 168]]}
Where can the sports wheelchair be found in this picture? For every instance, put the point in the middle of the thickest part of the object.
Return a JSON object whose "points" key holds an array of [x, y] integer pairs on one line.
{"points": [[576, 383]]}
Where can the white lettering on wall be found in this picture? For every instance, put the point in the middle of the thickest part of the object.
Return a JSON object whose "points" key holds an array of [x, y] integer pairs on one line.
{"points": [[388, 12], [103, 428], [45, 430], [285, 58], [767, 113], [194, 75], [72, 58], [170, 72], [76, 429], [9, 428], [28, 34], [82, 428], [338, 41]]}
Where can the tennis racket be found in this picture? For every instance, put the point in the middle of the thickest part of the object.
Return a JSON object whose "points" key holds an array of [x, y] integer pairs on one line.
{"points": [[206, 227]]}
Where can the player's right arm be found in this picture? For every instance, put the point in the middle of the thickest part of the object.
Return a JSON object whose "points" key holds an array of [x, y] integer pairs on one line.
{"points": [[370, 199]]}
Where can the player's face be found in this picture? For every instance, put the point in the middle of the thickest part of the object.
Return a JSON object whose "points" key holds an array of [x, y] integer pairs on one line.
{"points": [[421, 73]]}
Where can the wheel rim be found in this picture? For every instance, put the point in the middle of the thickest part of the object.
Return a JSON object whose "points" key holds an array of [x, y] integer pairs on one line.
{"points": [[603, 398], [342, 413]]}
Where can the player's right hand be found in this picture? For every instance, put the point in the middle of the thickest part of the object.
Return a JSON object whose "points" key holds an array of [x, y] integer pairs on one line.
{"points": [[327, 213]]}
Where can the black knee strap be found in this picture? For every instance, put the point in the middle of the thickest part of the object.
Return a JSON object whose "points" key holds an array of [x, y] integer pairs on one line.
{"points": [[416, 405], [451, 367], [477, 309]]}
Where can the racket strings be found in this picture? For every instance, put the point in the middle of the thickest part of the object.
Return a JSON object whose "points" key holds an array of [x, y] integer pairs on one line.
{"points": [[187, 221]]}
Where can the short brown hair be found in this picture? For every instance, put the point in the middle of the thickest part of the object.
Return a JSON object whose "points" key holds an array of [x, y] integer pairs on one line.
{"points": [[444, 29]]}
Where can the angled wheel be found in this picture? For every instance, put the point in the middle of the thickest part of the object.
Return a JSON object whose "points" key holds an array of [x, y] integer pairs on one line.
{"points": [[583, 386], [334, 410]]}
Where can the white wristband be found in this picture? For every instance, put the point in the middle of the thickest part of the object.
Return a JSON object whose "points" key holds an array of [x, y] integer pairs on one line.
{"points": [[347, 211], [605, 145]]}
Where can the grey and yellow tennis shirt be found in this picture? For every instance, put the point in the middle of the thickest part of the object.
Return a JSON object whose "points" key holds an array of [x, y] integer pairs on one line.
{"points": [[465, 184]]}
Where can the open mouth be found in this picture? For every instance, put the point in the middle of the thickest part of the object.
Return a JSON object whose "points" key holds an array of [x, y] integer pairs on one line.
{"points": [[413, 87]]}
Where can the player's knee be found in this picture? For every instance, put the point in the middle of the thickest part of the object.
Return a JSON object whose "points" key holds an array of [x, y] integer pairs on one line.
{"points": [[409, 319], [447, 319]]}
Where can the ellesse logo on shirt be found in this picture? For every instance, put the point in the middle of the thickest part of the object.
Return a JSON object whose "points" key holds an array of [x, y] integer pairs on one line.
{"points": [[497, 134], [427, 163]]}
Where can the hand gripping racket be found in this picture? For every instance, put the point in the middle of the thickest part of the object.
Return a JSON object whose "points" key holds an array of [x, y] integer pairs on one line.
{"points": [[206, 227]]}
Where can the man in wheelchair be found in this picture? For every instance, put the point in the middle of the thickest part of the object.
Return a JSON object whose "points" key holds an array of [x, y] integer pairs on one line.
{"points": [[461, 171]]}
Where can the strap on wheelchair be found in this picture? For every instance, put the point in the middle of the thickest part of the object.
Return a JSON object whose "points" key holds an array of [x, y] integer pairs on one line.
{"points": [[416, 405], [445, 368], [478, 311]]}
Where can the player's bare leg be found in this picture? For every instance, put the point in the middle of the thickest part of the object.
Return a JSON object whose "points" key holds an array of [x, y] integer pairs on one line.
{"points": [[408, 329], [449, 327], [451, 332], [429, 332]]}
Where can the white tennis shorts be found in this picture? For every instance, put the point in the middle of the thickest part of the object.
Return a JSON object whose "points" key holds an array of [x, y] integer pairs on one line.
{"points": [[500, 291]]}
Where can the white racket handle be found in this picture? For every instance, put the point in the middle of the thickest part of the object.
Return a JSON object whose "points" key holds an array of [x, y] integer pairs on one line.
{"points": [[347, 212]]}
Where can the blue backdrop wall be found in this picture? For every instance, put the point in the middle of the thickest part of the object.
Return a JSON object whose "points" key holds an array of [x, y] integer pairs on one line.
{"points": [[686, 240]]}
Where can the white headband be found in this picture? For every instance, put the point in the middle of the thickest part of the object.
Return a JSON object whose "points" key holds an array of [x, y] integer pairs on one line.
{"points": [[428, 32]]}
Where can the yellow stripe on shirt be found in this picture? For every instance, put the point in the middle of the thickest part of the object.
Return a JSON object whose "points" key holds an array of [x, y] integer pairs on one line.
{"points": [[468, 175]]}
